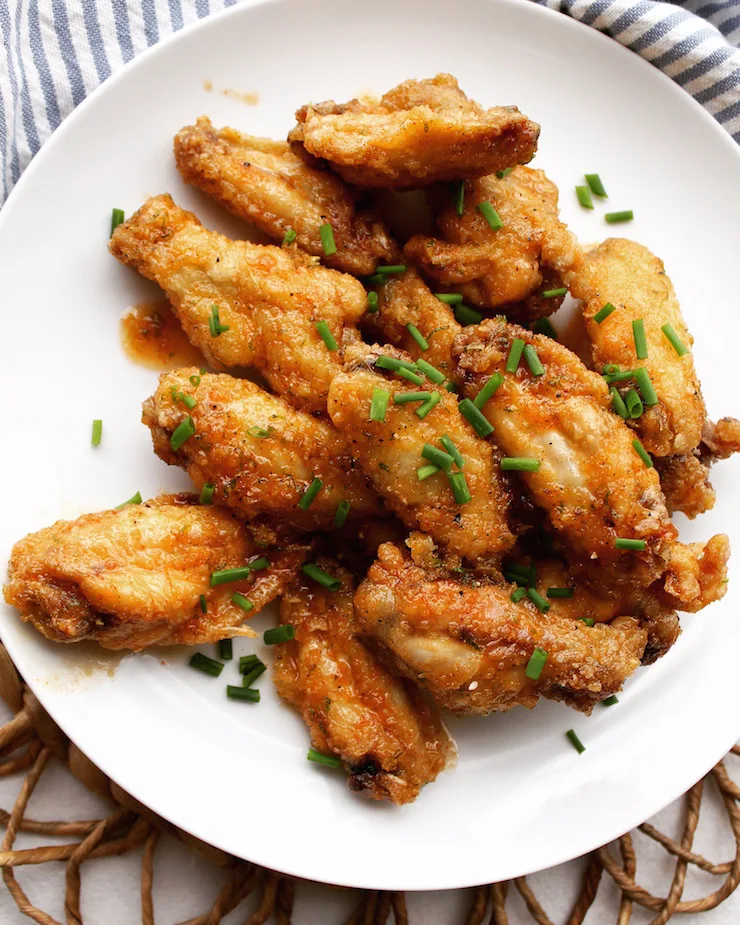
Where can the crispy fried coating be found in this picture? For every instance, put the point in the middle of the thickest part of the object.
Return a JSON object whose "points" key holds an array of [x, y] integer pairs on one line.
{"points": [[133, 577], [268, 185], [269, 299], [696, 574], [627, 275], [469, 645], [507, 268], [389, 453], [389, 739], [260, 454], [421, 132], [720, 440], [685, 483]]}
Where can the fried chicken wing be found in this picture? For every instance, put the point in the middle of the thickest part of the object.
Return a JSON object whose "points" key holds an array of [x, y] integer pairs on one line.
{"points": [[268, 299], [720, 440], [467, 643], [685, 483], [389, 453], [260, 454], [421, 132], [268, 185], [134, 577], [389, 739], [507, 267]]}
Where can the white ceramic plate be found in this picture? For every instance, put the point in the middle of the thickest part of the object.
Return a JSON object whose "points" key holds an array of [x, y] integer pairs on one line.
{"points": [[234, 774]]}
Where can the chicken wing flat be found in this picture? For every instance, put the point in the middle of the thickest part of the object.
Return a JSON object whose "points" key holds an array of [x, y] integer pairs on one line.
{"points": [[508, 267], [268, 185], [259, 454], [421, 132], [469, 645], [267, 300], [388, 738], [389, 452], [137, 576]]}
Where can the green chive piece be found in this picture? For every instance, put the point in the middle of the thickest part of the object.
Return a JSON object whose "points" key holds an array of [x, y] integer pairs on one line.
{"points": [[327, 239], [466, 315], [638, 334], [595, 185], [604, 313], [449, 298], [560, 592], [554, 293], [329, 761], [241, 601], [533, 361], [575, 741], [251, 676], [452, 450], [520, 464], [623, 543], [376, 279], [214, 323], [489, 389], [450, 386], [410, 375], [426, 472], [256, 431], [279, 634], [643, 454], [589, 621], [257, 565], [97, 432], [618, 403], [205, 664], [325, 334], [321, 577], [310, 494], [490, 215], [134, 499], [526, 572], [517, 595], [289, 237], [403, 398], [379, 403], [536, 663], [391, 269], [458, 196], [626, 215], [440, 459], [502, 174], [184, 431], [203, 603], [645, 385], [432, 402], [118, 217], [633, 403], [610, 701], [372, 302], [341, 514], [544, 326], [675, 340], [431, 372], [225, 650], [247, 663], [459, 487], [206, 493], [195, 380], [584, 197], [225, 576], [250, 694], [515, 355], [422, 342], [386, 362], [475, 417], [538, 600]]}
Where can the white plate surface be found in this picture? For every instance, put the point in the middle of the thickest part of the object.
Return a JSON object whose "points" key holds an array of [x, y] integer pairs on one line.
{"points": [[235, 774]]}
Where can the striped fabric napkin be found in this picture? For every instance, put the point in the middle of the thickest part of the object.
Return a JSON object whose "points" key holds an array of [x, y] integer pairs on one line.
{"points": [[54, 53]]}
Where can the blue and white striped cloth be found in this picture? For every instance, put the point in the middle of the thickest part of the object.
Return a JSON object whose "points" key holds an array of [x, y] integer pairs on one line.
{"points": [[54, 53]]}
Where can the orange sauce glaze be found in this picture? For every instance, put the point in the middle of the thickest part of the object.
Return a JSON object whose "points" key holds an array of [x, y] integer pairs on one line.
{"points": [[152, 336]]}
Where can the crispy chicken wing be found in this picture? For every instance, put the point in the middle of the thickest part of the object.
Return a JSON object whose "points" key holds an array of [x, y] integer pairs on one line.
{"points": [[509, 267], [421, 132], [389, 739], [134, 577], [469, 645], [389, 453], [720, 440], [267, 184], [268, 299], [260, 454], [685, 483]]}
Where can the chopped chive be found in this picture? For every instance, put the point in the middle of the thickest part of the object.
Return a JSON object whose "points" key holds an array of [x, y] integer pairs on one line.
{"points": [[403, 398], [279, 634], [134, 499], [610, 701], [242, 693], [604, 313], [623, 543], [386, 362], [595, 185], [410, 375], [341, 514], [321, 577], [184, 431], [538, 600], [206, 493], [376, 279], [249, 677], [633, 403], [256, 431], [490, 215], [544, 326], [205, 664], [459, 487], [225, 576], [372, 302], [675, 340], [391, 269], [475, 417], [645, 385], [241, 601], [118, 217], [536, 663], [533, 361], [515, 355], [620, 376], [466, 315], [643, 454], [502, 174], [431, 372], [432, 402], [289, 237], [329, 761], [257, 565], [618, 403], [452, 450], [187, 400], [609, 369], [310, 493], [584, 197], [225, 650], [638, 334], [489, 389], [554, 293], [195, 380], [517, 595], [527, 572], [451, 386], [589, 621], [214, 323], [325, 334], [449, 298], [326, 233], [560, 592], [379, 403], [425, 472], [440, 459], [203, 603], [520, 464], [418, 336], [575, 741], [247, 663], [97, 432], [626, 215], [458, 196]]}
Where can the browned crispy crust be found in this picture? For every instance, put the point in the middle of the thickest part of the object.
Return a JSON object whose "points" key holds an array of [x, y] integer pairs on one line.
{"points": [[720, 440], [685, 483]]}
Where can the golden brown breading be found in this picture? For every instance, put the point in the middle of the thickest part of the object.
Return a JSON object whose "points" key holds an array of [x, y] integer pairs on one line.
{"points": [[389, 739], [389, 453], [696, 574], [507, 268], [133, 577], [469, 645], [268, 297], [627, 275], [685, 483], [421, 132], [256, 475], [720, 440], [268, 185]]}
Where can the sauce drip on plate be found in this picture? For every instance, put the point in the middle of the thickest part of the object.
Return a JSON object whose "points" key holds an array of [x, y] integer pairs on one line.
{"points": [[152, 336]]}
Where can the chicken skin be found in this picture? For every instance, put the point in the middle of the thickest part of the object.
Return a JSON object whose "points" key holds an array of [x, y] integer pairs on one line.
{"points": [[259, 454], [390, 740], [685, 483], [389, 452], [244, 304], [469, 645], [506, 268], [268, 185], [421, 132], [139, 576]]}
